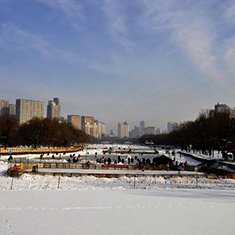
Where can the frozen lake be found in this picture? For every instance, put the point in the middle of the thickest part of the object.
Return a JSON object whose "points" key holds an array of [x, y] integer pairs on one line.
{"points": [[87, 206], [133, 212]]}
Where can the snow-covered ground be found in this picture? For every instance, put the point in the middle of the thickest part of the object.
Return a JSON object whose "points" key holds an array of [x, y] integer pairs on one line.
{"points": [[105, 212], [86, 205]]}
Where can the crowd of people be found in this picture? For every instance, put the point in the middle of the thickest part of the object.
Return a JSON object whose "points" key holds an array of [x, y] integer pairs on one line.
{"points": [[140, 161]]}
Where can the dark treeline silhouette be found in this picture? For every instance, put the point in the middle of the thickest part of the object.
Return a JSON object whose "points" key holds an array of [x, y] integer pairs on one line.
{"points": [[210, 131], [39, 132]]}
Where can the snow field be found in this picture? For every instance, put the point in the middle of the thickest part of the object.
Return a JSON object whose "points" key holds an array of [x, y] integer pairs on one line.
{"points": [[37, 205], [166, 211]]}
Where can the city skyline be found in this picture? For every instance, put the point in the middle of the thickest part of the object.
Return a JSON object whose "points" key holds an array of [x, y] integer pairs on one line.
{"points": [[79, 121], [154, 60], [53, 110]]}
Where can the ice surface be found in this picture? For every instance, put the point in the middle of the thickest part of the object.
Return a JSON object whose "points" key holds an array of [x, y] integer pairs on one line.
{"points": [[117, 212], [88, 206]]}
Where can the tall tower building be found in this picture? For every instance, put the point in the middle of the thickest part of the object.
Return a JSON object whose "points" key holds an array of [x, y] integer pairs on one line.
{"points": [[101, 129], [94, 130], [27, 109], [120, 130], [4, 107], [75, 120], [54, 109], [123, 130]]}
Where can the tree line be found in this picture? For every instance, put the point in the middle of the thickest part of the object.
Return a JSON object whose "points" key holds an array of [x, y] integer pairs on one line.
{"points": [[39, 132], [210, 131]]}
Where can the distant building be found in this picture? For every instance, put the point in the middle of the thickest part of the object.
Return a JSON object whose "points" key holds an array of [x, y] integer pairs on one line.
{"points": [[135, 133], [54, 109], [112, 133], [220, 108], [142, 126], [158, 131], [28, 109], [94, 130], [89, 126], [4, 107], [75, 120], [148, 130], [12, 110], [123, 130], [171, 126], [87, 120], [101, 129], [151, 130]]}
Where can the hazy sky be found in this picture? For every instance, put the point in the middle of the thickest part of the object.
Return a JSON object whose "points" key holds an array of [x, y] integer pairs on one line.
{"points": [[118, 60]]}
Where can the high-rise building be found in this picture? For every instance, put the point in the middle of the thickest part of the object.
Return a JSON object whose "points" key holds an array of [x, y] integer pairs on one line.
{"points": [[76, 121], [135, 132], [88, 126], [171, 126], [87, 120], [91, 129], [94, 130], [123, 130], [12, 110], [101, 128], [54, 109], [4, 107], [28, 109], [120, 130]]}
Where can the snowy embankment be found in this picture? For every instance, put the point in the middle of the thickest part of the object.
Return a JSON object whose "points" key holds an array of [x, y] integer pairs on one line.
{"points": [[38, 182]]}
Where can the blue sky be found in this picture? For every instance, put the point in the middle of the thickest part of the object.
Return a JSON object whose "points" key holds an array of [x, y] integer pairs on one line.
{"points": [[118, 60]]}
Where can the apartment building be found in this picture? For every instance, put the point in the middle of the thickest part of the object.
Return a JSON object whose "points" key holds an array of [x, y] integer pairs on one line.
{"points": [[75, 120], [28, 109], [123, 130], [54, 109], [4, 107]]}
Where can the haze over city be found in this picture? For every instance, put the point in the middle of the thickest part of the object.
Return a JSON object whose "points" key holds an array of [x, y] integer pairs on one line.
{"points": [[151, 60]]}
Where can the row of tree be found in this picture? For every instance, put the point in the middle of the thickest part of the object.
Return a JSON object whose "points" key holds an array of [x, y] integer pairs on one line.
{"points": [[210, 131], [39, 132]]}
